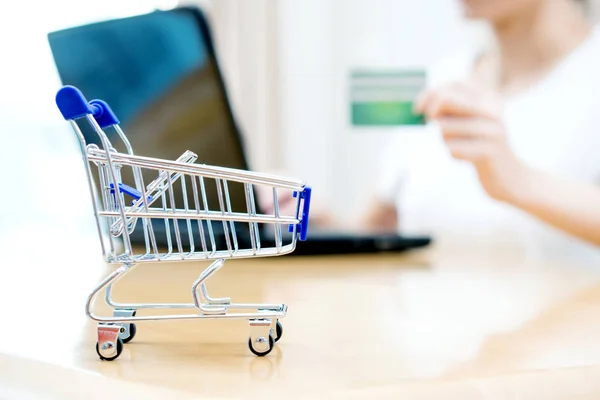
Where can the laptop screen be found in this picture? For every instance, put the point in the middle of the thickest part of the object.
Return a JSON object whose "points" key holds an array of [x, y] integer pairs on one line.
{"points": [[159, 74]]}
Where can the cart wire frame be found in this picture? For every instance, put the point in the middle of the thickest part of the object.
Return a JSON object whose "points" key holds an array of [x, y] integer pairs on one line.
{"points": [[121, 208]]}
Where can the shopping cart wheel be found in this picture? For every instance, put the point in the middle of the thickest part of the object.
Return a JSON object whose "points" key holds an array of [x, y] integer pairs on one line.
{"points": [[258, 346], [128, 333], [109, 350], [128, 330], [278, 331]]}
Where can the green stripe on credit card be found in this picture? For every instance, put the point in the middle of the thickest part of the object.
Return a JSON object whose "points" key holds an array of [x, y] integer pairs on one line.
{"points": [[385, 98]]}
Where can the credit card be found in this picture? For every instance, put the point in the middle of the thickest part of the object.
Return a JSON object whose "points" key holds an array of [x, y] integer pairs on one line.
{"points": [[385, 97]]}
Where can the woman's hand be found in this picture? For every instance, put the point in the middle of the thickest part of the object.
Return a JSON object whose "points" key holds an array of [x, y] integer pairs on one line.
{"points": [[381, 217], [472, 128]]}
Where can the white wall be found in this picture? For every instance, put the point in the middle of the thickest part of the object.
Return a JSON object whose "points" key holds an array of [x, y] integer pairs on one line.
{"points": [[245, 35], [320, 42]]}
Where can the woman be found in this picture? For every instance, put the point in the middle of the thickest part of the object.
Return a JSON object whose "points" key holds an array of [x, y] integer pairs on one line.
{"points": [[512, 153], [524, 119]]}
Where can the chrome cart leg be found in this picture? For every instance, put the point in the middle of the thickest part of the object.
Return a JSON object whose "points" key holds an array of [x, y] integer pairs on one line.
{"points": [[214, 301], [261, 340], [128, 329], [207, 308], [106, 283], [109, 345], [108, 291]]}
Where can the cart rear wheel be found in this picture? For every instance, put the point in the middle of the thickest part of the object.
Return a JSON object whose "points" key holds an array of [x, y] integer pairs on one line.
{"points": [[128, 337], [278, 331], [113, 357], [265, 352]]}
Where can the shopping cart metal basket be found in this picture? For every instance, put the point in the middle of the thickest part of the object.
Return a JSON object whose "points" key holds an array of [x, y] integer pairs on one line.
{"points": [[125, 200]]}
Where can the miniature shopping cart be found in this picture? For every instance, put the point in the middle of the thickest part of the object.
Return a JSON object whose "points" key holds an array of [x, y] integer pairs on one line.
{"points": [[130, 193]]}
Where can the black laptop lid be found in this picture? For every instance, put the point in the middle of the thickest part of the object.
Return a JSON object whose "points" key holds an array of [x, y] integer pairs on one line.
{"points": [[159, 74]]}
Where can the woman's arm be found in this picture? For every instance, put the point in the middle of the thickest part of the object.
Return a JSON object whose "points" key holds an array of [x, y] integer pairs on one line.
{"points": [[472, 128], [573, 207]]}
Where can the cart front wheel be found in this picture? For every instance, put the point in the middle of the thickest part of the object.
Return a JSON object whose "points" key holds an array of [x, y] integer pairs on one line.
{"points": [[108, 353], [260, 345]]}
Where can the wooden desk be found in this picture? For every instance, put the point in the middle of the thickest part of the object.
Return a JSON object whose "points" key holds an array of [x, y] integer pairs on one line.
{"points": [[429, 325]]}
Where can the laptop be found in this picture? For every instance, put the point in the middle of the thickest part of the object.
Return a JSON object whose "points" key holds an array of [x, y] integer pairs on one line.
{"points": [[160, 75]]}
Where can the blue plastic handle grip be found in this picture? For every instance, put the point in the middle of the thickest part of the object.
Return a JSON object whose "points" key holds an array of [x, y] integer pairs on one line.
{"points": [[103, 114], [302, 227], [72, 103]]}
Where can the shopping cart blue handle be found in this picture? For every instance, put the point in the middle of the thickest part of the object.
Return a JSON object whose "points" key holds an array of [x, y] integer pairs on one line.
{"points": [[104, 116], [302, 226], [73, 105]]}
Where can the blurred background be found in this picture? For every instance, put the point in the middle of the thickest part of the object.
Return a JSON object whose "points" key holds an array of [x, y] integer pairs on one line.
{"points": [[286, 65]]}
